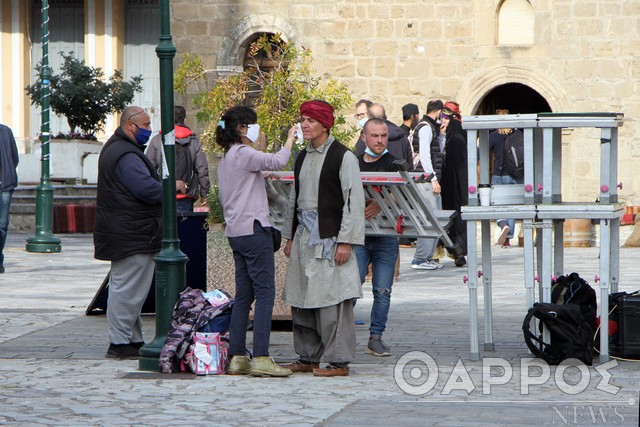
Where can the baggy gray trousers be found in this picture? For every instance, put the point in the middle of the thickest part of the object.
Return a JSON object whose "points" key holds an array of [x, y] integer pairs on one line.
{"points": [[129, 282], [327, 333]]}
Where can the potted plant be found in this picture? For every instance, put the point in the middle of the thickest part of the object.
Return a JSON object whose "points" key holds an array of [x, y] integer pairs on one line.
{"points": [[85, 97]]}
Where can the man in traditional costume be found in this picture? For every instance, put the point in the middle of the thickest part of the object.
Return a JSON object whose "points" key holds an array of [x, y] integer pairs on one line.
{"points": [[323, 220]]}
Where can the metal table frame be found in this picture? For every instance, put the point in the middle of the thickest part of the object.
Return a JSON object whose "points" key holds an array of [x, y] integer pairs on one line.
{"points": [[542, 208]]}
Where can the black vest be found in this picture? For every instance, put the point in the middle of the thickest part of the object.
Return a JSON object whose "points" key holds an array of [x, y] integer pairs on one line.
{"points": [[330, 200], [124, 225], [437, 158]]}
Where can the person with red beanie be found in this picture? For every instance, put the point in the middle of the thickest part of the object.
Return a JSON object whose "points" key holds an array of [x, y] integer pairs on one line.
{"points": [[323, 220], [454, 107]]}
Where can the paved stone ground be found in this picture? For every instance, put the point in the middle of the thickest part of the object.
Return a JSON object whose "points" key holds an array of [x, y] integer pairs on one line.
{"points": [[53, 370]]}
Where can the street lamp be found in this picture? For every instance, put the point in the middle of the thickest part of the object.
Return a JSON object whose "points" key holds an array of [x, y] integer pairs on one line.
{"points": [[44, 241], [170, 262]]}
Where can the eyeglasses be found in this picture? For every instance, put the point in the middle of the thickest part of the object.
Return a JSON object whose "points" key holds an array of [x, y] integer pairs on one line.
{"points": [[360, 115], [135, 114]]}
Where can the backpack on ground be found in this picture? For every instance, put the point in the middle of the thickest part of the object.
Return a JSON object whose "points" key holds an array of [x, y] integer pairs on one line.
{"points": [[195, 311], [514, 154], [207, 353], [185, 167], [570, 320]]}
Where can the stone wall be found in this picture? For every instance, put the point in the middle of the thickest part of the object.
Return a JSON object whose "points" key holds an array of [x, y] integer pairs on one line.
{"points": [[400, 51]]}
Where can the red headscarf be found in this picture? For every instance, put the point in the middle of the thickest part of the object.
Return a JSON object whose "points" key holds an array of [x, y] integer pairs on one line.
{"points": [[319, 110], [455, 109]]}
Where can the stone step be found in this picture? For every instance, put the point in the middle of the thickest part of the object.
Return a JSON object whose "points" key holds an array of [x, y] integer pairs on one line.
{"points": [[23, 202], [26, 190]]}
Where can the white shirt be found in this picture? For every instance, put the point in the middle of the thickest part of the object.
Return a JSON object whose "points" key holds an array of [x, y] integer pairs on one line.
{"points": [[426, 135]]}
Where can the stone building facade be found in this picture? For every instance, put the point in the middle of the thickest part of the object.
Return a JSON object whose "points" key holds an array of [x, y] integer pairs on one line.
{"points": [[524, 55], [528, 56]]}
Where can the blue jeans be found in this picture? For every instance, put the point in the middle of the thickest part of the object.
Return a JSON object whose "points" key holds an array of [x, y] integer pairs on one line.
{"points": [[502, 180], [255, 270], [382, 253], [5, 202]]}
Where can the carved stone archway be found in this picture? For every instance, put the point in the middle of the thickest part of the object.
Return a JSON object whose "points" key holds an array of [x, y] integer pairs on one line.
{"points": [[236, 42], [478, 84]]}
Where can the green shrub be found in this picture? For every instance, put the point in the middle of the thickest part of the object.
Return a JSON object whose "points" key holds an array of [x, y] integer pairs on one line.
{"points": [[83, 95]]}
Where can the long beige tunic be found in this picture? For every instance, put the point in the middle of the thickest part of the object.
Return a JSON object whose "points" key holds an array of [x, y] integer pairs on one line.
{"points": [[314, 282]]}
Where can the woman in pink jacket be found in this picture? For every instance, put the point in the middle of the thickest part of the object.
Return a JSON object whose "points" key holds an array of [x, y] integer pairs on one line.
{"points": [[243, 197]]}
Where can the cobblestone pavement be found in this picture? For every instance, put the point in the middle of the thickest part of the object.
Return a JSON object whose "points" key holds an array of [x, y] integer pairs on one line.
{"points": [[53, 370]]}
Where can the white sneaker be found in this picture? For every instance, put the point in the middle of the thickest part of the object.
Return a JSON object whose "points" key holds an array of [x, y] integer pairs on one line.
{"points": [[437, 264], [424, 265], [503, 235]]}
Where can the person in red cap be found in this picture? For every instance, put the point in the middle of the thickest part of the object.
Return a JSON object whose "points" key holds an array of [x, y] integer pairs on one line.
{"points": [[454, 107], [323, 220]]}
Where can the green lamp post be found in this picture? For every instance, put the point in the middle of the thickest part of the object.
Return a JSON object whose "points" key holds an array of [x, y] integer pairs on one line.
{"points": [[170, 262], [44, 241]]}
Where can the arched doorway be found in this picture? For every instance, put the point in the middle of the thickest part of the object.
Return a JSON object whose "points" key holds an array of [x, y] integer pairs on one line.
{"points": [[515, 97], [259, 62]]}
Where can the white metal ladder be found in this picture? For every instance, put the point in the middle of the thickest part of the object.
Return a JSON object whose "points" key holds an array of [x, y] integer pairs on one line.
{"points": [[405, 212]]}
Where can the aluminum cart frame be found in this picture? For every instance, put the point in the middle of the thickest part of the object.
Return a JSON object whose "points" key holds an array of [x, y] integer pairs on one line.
{"points": [[542, 208]]}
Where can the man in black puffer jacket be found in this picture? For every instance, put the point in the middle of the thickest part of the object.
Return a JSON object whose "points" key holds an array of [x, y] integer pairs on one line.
{"points": [[128, 228]]}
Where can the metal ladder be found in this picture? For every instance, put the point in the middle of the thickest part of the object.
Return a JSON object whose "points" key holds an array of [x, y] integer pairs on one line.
{"points": [[405, 212]]}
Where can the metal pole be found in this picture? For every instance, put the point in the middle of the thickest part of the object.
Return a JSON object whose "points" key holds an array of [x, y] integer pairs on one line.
{"points": [[171, 262], [44, 241]]}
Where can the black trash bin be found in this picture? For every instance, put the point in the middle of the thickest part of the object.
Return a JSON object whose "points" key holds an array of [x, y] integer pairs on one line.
{"points": [[192, 232]]}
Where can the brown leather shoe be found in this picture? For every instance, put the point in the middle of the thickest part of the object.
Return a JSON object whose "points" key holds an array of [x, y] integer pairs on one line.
{"points": [[301, 367], [331, 371]]}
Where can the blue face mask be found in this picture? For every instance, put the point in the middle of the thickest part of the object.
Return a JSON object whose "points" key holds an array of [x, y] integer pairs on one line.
{"points": [[372, 154], [143, 135]]}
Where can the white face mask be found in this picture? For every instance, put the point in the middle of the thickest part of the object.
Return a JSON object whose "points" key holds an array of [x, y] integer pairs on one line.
{"points": [[299, 134], [362, 122], [253, 132]]}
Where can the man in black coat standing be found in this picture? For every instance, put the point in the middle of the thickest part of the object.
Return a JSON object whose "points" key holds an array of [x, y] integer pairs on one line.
{"points": [[128, 228]]}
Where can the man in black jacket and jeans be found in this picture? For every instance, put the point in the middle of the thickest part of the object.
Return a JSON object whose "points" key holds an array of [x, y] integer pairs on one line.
{"points": [[379, 251], [8, 181], [128, 228]]}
